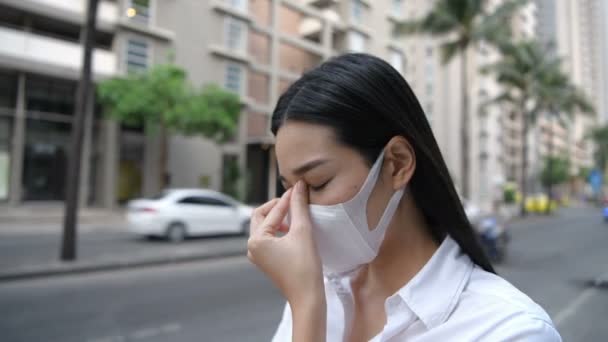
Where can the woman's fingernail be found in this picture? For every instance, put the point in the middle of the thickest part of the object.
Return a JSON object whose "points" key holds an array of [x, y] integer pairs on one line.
{"points": [[298, 188]]}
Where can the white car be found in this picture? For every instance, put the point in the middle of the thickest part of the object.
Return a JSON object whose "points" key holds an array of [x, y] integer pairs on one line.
{"points": [[180, 213]]}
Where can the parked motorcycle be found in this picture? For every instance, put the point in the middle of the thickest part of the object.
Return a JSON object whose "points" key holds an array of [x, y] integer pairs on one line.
{"points": [[492, 233]]}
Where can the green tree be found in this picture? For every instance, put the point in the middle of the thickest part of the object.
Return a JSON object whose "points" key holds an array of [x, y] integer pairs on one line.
{"points": [[520, 72], [463, 23], [555, 171], [583, 173], [560, 99], [599, 136], [161, 99]]}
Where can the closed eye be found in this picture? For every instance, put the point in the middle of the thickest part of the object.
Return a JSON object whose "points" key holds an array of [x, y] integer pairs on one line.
{"points": [[320, 187]]}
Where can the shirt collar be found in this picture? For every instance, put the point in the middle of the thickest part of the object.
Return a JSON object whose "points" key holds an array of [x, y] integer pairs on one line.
{"points": [[434, 292]]}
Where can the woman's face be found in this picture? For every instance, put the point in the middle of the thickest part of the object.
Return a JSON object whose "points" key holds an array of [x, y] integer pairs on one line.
{"points": [[333, 172]]}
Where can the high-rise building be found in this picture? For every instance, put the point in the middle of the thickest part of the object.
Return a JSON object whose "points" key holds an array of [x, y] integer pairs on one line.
{"points": [[575, 32]]}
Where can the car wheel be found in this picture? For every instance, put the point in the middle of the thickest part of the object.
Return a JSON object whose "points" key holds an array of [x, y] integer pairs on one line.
{"points": [[245, 227], [176, 232]]}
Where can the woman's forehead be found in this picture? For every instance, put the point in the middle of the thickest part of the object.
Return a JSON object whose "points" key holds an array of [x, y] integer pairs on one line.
{"points": [[299, 142], [303, 138]]}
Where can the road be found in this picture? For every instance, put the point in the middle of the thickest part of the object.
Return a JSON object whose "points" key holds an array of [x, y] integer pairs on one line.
{"points": [[553, 260], [227, 300]]}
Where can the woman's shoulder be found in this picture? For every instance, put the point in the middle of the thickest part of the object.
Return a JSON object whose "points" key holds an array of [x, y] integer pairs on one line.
{"points": [[499, 309], [485, 288]]}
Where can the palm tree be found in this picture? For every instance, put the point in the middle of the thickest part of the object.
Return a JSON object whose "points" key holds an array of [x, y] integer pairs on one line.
{"points": [[533, 82], [463, 23], [559, 98], [599, 136], [520, 72]]}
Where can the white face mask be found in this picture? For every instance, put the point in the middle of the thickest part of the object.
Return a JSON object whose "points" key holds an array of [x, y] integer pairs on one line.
{"points": [[341, 232]]}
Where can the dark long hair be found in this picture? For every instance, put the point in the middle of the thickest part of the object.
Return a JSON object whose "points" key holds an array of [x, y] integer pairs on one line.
{"points": [[367, 102]]}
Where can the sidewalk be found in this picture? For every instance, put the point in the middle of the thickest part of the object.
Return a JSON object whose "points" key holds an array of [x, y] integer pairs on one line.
{"points": [[30, 240], [157, 253], [52, 213], [34, 257]]}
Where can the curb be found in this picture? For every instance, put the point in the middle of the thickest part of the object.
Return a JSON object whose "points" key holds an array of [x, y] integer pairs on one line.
{"points": [[65, 269]]}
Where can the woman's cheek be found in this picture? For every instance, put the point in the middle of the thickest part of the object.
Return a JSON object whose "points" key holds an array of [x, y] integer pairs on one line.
{"points": [[334, 193]]}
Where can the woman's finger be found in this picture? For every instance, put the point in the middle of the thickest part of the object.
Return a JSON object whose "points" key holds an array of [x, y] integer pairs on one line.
{"points": [[276, 215], [260, 213], [265, 208], [298, 206]]}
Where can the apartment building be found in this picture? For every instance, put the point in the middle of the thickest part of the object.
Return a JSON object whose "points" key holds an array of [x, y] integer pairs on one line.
{"points": [[40, 59]]}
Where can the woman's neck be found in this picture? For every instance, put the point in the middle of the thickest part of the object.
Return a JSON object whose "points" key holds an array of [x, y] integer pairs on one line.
{"points": [[406, 248]]}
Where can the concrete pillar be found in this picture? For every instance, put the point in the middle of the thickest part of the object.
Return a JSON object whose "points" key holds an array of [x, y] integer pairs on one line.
{"points": [[85, 162], [327, 40], [243, 181], [109, 164], [18, 144], [152, 170], [274, 50], [274, 85], [272, 174]]}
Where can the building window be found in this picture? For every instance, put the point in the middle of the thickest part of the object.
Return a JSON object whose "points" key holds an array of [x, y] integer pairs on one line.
{"points": [[137, 55], [357, 11], [429, 51], [139, 10], [396, 60], [356, 42], [430, 71], [235, 32], [429, 89], [234, 78], [398, 8], [240, 5]]}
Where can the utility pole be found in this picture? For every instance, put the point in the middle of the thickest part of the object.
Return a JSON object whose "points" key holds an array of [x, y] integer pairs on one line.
{"points": [[68, 245]]}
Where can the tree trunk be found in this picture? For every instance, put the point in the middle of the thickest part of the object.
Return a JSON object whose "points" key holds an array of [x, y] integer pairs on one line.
{"points": [[524, 163], [68, 246], [464, 129]]}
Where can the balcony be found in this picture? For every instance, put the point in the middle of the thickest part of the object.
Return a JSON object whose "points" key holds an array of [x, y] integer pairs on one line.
{"points": [[70, 10], [30, 51]]}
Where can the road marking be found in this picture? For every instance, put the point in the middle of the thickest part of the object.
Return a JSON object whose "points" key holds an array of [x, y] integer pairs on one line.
{"points": [[573, 306], [576, 303], [142, 334], [116, 338]]}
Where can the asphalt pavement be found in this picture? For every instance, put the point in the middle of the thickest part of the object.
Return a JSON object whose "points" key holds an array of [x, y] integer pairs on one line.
{"points": [[553, 260], [26, 254]]}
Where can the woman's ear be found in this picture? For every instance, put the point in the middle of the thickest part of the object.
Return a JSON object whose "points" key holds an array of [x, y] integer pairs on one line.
{"points": [[400, 161]]}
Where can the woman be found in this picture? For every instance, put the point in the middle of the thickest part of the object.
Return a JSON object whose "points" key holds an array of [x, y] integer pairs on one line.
{"points": [[370, 241]]}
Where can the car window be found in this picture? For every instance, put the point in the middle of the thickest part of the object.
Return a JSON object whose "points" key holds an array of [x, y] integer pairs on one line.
{"points": [[200, 200]]}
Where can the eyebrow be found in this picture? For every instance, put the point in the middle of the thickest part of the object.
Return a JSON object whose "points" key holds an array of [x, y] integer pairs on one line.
{"points": [[305, 168]]}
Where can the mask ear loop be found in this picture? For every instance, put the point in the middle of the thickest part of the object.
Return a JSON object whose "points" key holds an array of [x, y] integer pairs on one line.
{"points": [[356, 215], [377, 234]]}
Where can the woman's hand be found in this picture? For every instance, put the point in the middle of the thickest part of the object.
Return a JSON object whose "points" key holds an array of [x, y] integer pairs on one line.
{"points": [[291, 261]]}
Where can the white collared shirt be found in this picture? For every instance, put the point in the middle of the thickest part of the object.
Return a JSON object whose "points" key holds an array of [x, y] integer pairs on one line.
{"points": [[450, 299]]}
